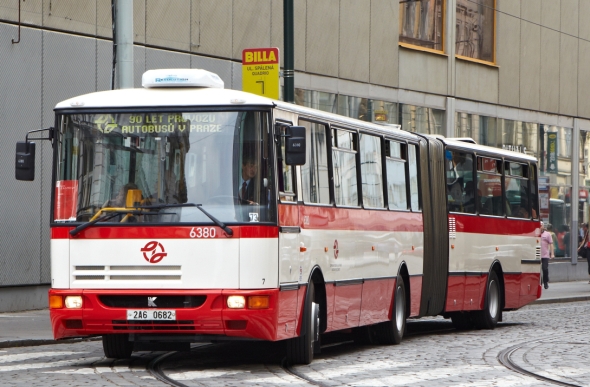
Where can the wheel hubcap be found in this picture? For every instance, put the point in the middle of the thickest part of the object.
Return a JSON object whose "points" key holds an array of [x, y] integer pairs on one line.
{"points": [[493, 300], [400, 300]]}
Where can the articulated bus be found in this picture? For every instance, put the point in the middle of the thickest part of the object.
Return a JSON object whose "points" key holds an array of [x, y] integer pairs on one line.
{"points": [[184, 212]]}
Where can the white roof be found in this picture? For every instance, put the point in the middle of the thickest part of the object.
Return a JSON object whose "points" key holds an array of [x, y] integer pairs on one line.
{"points": [[164, 96]]}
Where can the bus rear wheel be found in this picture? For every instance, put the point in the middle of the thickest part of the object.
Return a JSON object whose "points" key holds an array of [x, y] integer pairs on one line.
{"points": [[490, 315], [392, 332], [300, 349], [117, 346]]}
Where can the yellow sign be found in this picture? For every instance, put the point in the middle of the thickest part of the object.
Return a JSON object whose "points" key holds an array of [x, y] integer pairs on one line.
{"points": [[260, 71]]}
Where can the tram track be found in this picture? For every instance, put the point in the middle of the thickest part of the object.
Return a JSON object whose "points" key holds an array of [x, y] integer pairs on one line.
{"points": [[155, 366], [505, 358]]}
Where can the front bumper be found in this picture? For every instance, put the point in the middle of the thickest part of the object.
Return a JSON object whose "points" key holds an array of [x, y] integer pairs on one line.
{"points": [[209, 317]]}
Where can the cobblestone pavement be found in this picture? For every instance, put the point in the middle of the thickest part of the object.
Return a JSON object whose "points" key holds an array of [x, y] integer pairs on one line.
{"points": [[549, 339]]}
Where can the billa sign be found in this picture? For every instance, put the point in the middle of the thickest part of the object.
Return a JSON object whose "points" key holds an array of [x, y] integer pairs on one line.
{"points": [[260, 71]]}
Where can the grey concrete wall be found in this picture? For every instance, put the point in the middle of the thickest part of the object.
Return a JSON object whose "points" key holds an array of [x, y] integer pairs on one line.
{"points": [[565, 271], [541, 45], [21, 298]]}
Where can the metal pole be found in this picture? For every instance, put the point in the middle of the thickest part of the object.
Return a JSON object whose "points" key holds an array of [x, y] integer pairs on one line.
{"points": [[124, 43], [289, 46], [575, 195]]}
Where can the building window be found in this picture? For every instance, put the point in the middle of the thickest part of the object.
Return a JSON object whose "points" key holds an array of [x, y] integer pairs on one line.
{"points": [[421, 23], [475, 30]]}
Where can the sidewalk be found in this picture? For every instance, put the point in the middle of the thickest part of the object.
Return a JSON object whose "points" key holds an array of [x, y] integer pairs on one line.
{"points": [[34, 327], [565, 292]]}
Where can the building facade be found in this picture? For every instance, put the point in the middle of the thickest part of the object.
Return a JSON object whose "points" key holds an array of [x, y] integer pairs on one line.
{"points": [[507, 73]]}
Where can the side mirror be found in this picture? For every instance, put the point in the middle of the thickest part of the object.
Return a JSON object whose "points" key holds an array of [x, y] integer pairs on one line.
{"points": [[295, 146], [25, 161]]}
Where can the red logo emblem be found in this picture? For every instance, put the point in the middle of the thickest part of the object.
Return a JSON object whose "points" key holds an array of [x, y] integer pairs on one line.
{"points": [[336, 249], [153, 252]]}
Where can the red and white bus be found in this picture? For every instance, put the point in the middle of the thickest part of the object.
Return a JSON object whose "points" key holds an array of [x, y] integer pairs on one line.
{"points": [[184, 212]]}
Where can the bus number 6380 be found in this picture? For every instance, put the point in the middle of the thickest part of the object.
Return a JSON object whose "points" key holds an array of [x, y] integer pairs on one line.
{"points": [[202, 232]]}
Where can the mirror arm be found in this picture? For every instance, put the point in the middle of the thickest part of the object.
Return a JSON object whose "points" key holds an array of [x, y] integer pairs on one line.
{"points": [[49, 137]]}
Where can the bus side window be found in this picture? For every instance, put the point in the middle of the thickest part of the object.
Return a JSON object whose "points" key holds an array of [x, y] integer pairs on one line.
{"points": [[371, 171], [314, 173], [489, 185], [517, 189], [413, 177], [396, 175], [460, 182], [534, 191], [287, 172], [344, 167]]}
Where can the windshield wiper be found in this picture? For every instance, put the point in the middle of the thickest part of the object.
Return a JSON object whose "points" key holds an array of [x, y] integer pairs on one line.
{"points": [[217, 222], [111, 214]]}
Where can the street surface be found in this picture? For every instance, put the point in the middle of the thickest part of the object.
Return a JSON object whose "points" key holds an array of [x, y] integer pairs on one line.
{"points": [[550, 340]]}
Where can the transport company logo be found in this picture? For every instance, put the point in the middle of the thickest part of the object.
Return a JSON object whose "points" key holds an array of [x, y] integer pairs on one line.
{"points": [[151, 302], [153, 252], [105, 123], [336, 249]]}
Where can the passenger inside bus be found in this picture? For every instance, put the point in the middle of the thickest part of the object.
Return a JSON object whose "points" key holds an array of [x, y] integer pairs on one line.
{"points": [[249, 186], [456, 196], [469, 197]]}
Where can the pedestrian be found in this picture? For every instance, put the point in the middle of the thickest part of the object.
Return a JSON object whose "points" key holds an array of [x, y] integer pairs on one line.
{"points": [[583, 249], [547, 253], [549, 227]]}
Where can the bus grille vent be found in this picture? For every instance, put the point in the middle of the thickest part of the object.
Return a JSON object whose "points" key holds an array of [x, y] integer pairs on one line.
{"points": [[127, 273], [136, 325], [538, 252], [452, 228]]}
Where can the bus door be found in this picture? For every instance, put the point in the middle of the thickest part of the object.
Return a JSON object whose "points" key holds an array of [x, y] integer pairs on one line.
{"points": [[290, 270]]}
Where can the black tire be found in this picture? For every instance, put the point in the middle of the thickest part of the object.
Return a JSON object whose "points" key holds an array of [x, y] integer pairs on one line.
{"points": [[490, 315], [392, 332], [117, 346], [462, 320], [300, 349]]}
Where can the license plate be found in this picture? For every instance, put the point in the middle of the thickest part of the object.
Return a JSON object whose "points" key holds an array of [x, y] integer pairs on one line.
{"points": [[151, 314]]}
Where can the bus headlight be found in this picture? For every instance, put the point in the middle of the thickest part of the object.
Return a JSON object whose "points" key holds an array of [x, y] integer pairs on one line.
{"points": [[236, 302], [73, 302]]}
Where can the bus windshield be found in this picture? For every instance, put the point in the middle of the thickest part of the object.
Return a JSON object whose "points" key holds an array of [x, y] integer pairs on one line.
{"points": [[160, 160]]}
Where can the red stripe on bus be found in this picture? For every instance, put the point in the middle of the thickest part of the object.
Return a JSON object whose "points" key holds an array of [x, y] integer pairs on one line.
{"points": [[332, 218], [497, 226], [165, 232]]}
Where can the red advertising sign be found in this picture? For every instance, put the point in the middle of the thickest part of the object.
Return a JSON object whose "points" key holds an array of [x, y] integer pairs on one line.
{"points": [[66, 200]]}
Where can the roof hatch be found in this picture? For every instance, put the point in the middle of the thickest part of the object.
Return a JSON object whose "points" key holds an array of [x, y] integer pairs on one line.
{"points": [[181, 78]]}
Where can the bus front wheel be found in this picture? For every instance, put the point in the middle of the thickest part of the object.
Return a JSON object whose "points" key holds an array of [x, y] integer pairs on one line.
{"points": [[300, 349], [117, 346]]}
